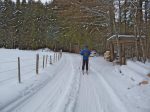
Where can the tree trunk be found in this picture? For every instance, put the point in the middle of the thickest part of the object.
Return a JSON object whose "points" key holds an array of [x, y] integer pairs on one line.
{"points": [[146, 28], [125, 17], [119, 16], [111, 16]]}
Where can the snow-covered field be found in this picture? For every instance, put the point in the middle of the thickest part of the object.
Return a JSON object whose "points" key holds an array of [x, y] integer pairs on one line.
{"points": [[61, 87]]}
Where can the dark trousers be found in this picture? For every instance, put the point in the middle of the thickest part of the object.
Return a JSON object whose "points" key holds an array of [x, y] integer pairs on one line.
{"points": [[85, 62]]}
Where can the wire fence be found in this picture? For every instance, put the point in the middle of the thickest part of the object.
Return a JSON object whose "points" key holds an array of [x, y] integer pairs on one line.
{"points": [[20, 67], [7, 62]]}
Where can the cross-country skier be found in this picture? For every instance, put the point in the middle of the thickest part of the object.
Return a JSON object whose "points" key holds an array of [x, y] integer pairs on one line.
{"points": [[85, 53]]}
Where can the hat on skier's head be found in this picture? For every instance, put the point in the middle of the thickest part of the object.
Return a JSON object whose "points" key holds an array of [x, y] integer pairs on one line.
{"points": [[85, 46]]}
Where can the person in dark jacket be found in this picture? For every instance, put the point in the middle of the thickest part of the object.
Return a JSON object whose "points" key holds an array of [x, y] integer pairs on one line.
{"points": [[85, 53]]}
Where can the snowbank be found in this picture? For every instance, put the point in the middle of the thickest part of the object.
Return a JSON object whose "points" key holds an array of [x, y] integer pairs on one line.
{"points": [[136, 71], [138, 67], [10, 89], [131, 74]]}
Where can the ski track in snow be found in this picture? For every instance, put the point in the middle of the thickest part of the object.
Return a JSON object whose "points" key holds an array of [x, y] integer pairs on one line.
{"points": [[55, 95], [127, 91], [68, 90], [96, 95]]}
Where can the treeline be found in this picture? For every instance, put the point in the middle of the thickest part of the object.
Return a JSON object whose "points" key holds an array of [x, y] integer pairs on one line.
{"points": [[81, 24], [92, 22], [70, 24], [134, 19], [26, 25]]}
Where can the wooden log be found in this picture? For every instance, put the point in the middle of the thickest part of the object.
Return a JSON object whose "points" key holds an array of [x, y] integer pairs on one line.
{"points": [[137, 49], [111, 52]]}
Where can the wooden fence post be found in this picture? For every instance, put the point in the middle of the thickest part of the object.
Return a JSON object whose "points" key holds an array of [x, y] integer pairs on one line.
{"points": [[37, 63], [54, 57], [50, 59], [46, 60], [19, 74], [60, 53], [43, 60], [58, 56]]}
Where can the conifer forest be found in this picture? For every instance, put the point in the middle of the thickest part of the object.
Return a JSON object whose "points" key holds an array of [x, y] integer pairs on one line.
{"points": [[70, 24]]}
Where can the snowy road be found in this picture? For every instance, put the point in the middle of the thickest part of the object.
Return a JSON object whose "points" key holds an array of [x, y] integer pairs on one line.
{"points": [[67, 90], [53, 96]]}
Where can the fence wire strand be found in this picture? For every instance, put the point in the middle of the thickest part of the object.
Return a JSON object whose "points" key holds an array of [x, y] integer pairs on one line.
{"points": [[8, 70], [31, 67]]}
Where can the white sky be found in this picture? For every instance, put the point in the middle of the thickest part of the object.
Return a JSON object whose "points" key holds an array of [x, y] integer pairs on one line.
{"points": [[43, 1]]}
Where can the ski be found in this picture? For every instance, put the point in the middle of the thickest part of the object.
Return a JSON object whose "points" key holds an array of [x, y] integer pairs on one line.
{"points": [[87, 72]]}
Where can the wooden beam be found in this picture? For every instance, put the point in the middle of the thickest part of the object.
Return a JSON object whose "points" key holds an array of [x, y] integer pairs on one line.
{"points": [[123, 57], [120, 53], [111, 52]]}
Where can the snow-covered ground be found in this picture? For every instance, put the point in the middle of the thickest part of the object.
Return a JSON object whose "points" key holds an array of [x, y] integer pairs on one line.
{"points": [[61, 87]]}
